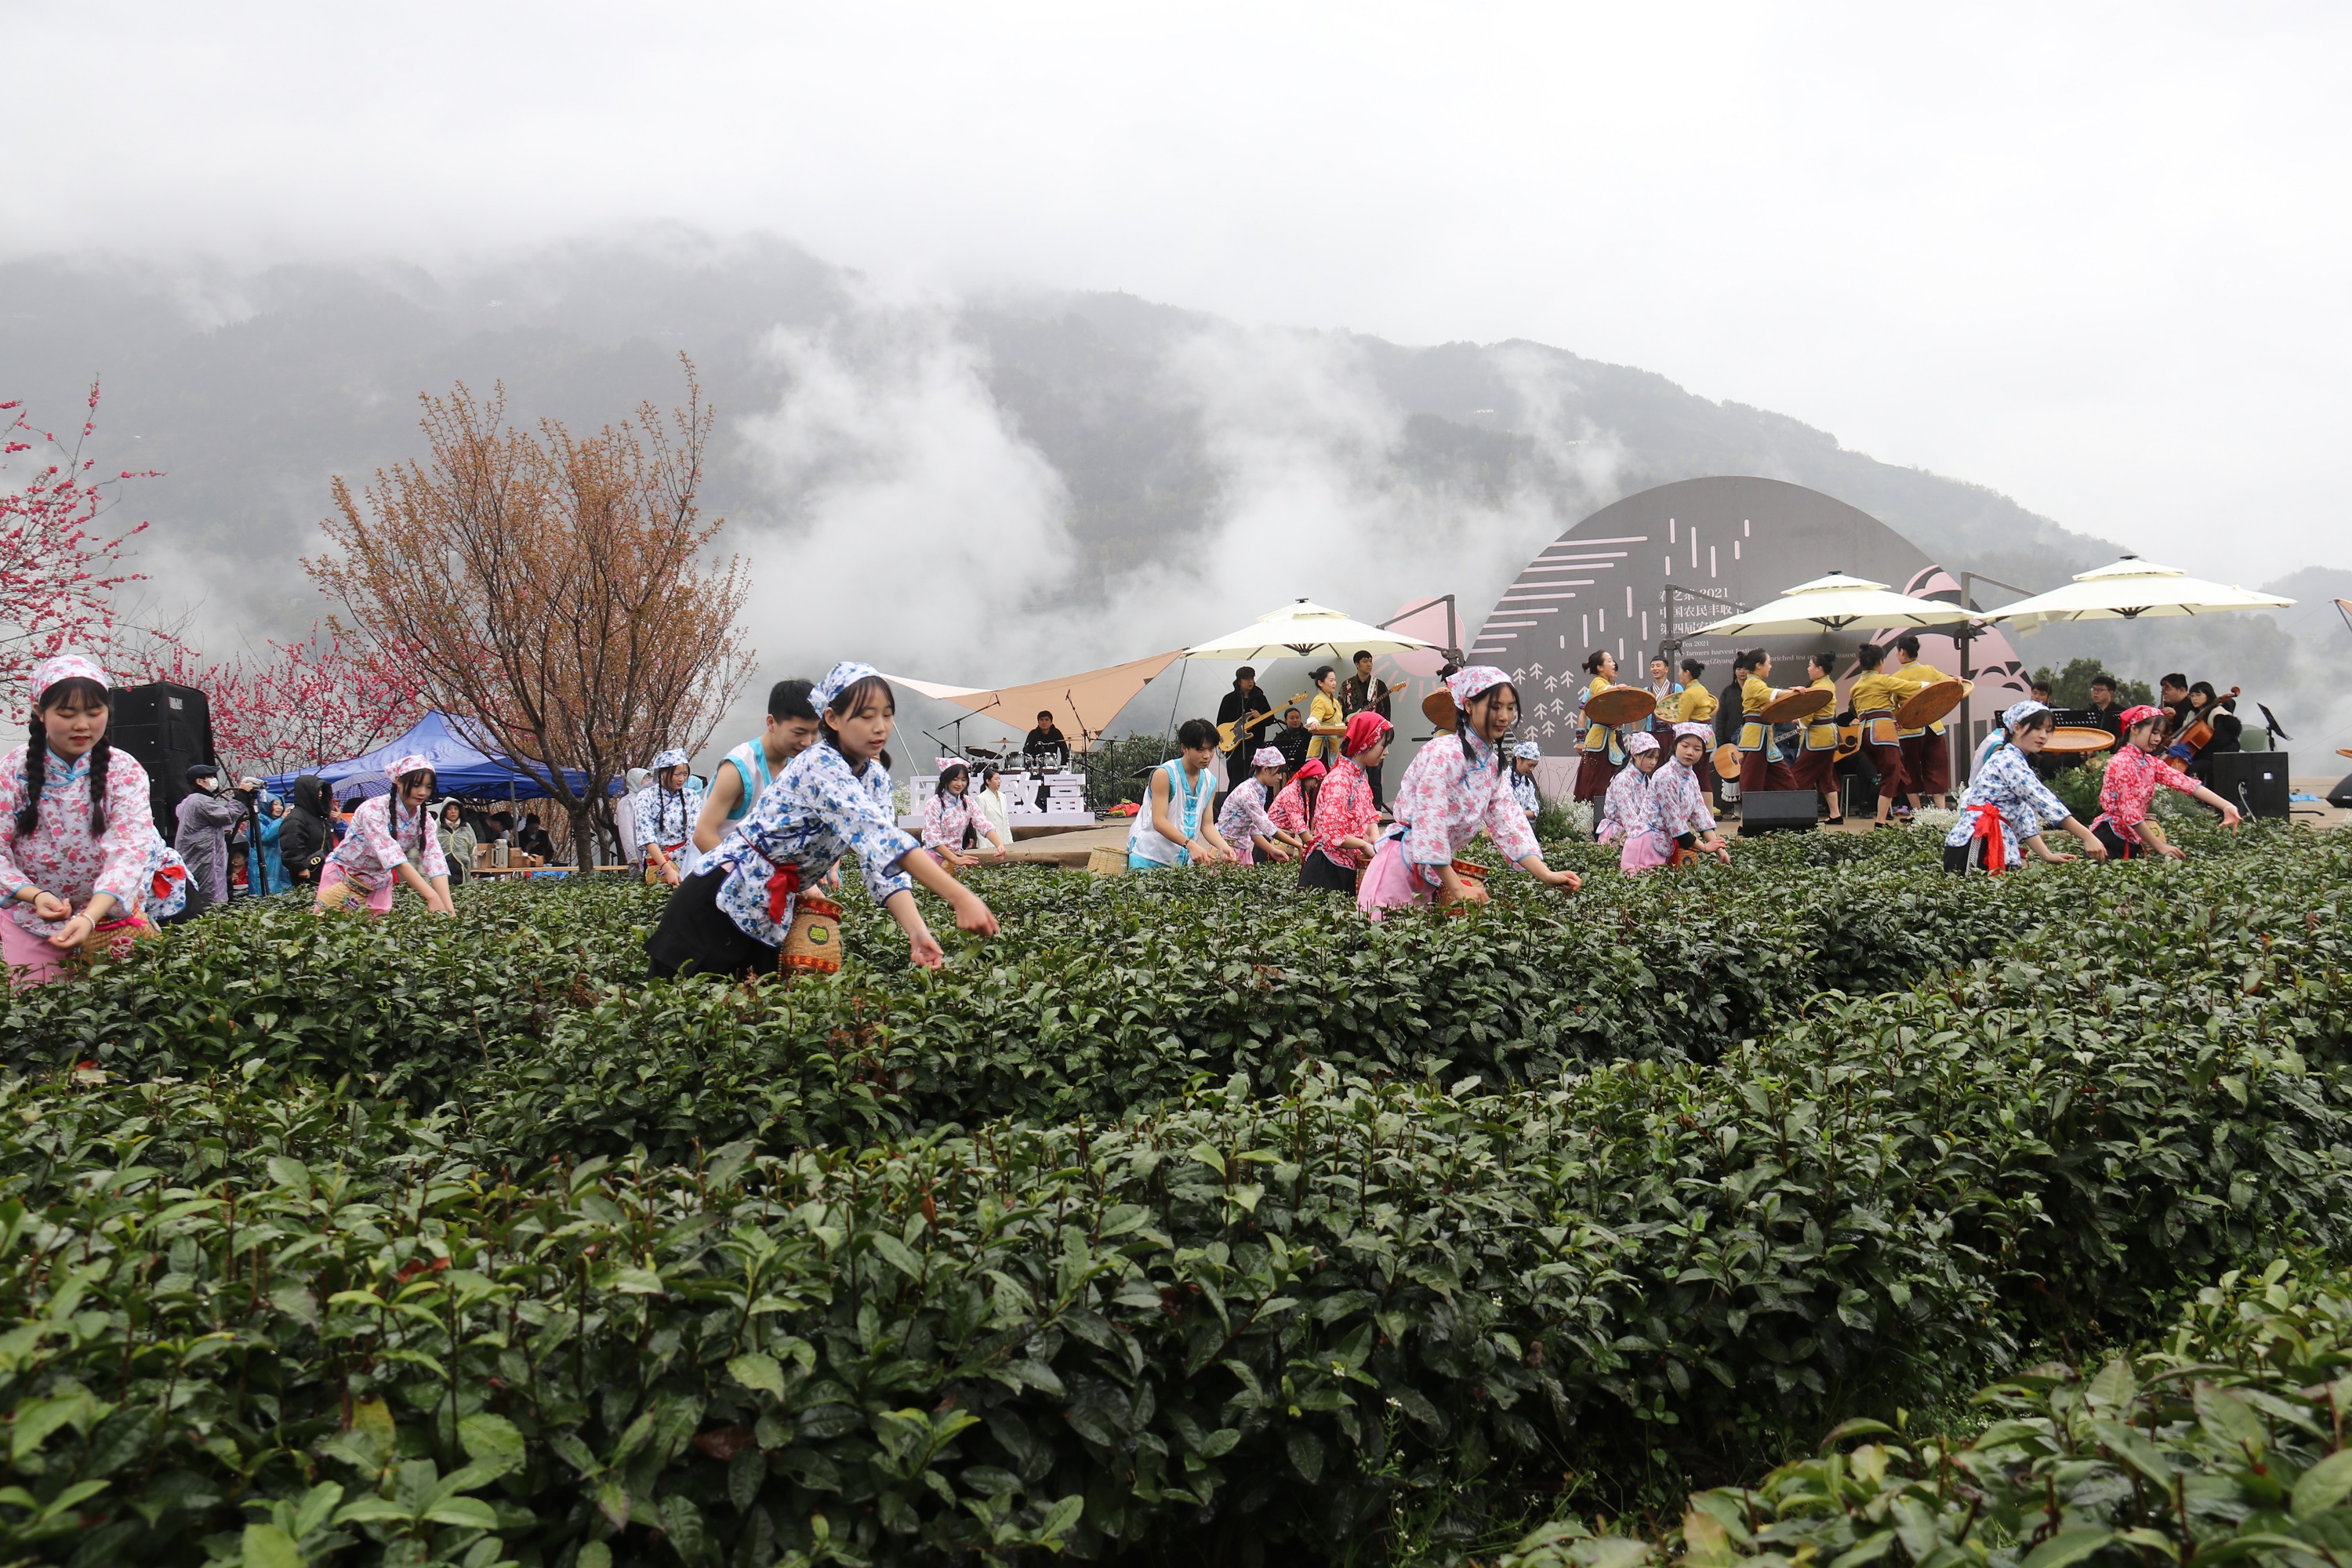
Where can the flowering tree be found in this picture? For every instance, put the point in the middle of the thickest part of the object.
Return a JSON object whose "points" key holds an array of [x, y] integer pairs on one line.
{"points": [[556, 589], [59, 568], [301, 703]]}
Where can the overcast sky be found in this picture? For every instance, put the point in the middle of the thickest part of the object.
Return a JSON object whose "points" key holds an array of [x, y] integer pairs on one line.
{"points": [[2092, 256]]}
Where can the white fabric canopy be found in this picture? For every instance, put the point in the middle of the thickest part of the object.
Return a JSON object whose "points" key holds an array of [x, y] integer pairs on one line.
{"points": [[2129, 590], [1304, 628], [1836, 603]]}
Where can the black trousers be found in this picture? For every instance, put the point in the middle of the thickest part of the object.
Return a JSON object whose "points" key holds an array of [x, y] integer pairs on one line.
{"points": [[695, 937]]}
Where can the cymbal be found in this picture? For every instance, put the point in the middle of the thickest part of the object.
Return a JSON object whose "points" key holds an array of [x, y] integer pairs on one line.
{"points": [[1797, 705], [983, 751], [1931, 702], [1621, 705]]}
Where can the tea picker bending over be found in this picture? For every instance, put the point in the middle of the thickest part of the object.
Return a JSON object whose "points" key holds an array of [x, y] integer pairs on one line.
{"points": [[78, 848], [392, 841], [1293, 811], [1523, 758], [1174, 827], [1245, 823], [1678, 800], [1347, 813], [2007, 805], [833, 799], [1456, 787], [2128, 789]]}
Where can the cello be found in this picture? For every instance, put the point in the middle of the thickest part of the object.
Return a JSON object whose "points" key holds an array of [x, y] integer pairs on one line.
{"points": [[2199, 733]]}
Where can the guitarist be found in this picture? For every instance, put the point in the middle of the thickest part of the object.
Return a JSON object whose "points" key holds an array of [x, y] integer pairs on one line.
{"points": [[1246, 708]]}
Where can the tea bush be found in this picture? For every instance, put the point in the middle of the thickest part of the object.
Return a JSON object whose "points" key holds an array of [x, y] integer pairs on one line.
{"points": [[909, 1267], [2224, 1442]]}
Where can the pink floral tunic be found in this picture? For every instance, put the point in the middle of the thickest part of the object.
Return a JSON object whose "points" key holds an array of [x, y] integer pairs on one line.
{"points": [[1446, 798], [1245, 817], [2129, 786], [1345, 809], [59, 856], [372, 854], [1679, 800], [1629, 808], [945, 816]]}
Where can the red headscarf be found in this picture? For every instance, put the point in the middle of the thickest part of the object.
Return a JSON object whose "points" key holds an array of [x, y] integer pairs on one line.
{"points": [[1365, 729], [1312, 768]]}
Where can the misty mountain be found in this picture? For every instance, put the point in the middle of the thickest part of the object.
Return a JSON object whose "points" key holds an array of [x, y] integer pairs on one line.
{"points": [[1020, 481]]}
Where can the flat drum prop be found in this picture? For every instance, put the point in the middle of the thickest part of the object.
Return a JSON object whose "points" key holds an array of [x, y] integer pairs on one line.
{"points": [[1621, 705], [1930, 703], [1797, 705], [1727, 762], [2077, 741]]}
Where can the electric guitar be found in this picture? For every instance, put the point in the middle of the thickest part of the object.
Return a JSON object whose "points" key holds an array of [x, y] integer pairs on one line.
{"points": [[1229, 735]]}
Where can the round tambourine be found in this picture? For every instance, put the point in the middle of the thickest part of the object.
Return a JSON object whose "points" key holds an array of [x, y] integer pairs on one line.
{"points": [[1931, 702], [1621, 705], [2077, 741], [1792, 706]]}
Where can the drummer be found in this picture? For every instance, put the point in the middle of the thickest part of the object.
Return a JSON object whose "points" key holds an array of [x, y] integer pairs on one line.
{"points": [[2129, 786], [1876, 694], [1816, 767], [1927, 753]]}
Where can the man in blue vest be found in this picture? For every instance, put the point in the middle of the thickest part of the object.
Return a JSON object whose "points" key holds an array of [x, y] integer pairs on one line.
{"points": [[752, 767]]}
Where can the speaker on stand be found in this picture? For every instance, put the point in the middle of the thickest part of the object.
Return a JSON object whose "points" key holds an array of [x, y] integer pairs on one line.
{"points": [[169, 729]]}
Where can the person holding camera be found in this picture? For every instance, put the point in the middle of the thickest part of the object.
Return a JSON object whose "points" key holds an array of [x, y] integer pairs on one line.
{"points": [[207, 814]]}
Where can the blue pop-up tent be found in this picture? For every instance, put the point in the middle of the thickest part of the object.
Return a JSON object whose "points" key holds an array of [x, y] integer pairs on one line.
{"points": [[461, 767]]}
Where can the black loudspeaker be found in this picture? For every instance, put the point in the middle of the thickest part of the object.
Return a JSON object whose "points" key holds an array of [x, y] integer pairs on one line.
{"points": [[2253, 781], [2341, 797], [168, 728], [1777, 811]]}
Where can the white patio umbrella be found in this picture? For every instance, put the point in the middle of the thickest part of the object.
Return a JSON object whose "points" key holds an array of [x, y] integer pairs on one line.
{"points": [[1836, 603], [1304, 628], [2129, 590]]}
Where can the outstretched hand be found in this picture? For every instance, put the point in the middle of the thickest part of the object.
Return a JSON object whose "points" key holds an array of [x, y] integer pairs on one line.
{"points": [[923, 949]]}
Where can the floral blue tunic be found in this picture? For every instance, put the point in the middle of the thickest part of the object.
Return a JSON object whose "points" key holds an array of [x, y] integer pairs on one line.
{"points": [[815, 812], [2007, 782], [664, 818]]}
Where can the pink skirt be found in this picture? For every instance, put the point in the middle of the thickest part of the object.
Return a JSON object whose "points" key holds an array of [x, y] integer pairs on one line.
{"points": [[1645, 851], [378, 902], [31, 960], [1392, 882]]}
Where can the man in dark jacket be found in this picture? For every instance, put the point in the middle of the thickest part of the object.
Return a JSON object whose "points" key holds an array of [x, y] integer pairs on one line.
{"points": [[304, 838]]}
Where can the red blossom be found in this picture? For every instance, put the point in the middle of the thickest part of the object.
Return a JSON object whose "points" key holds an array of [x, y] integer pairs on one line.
{"points": [[300, 703], [59, 568]]}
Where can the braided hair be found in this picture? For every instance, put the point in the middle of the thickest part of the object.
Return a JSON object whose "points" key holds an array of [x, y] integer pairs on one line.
{"points": [[663, 795], [37, 754]]}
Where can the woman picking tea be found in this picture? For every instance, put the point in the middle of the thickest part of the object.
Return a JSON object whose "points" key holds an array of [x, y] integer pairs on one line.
{"points": [[833, 799]]}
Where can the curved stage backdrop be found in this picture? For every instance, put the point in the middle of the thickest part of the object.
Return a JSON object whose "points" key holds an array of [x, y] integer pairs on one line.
{"points": [[1644, 572]]}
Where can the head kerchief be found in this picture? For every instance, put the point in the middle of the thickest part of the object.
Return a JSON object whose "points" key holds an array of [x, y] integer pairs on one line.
{"points": [[944, 763], [1466, 684], [673, 758], [63, 667], [839, 679], [1529, 750], [1312, 768], [2013, 718], [1639, 742], [1365, 729], [411, 763], [1704, 731], [2135, 717], [1267, 757]]}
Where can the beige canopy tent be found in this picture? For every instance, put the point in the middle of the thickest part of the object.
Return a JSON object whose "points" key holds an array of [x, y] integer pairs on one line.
{"points": [[1083, 705]]}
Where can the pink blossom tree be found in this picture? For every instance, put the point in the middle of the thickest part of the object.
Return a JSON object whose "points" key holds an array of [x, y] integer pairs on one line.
{"points": [[60, 565]]}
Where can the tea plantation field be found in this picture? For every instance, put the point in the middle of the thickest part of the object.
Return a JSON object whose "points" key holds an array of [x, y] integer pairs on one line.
{"points": [[1193, 1220]]}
